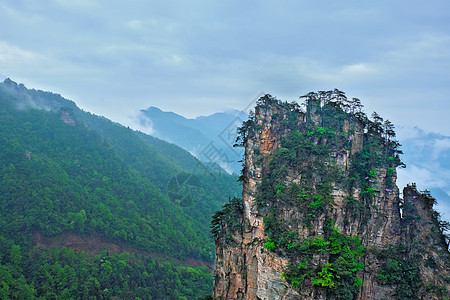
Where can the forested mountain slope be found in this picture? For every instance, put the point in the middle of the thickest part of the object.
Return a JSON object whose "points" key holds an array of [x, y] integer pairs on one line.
{"points": [[67, 173], [195, 135]]}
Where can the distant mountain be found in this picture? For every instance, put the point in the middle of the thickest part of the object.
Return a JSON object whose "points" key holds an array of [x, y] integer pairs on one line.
{"points": [[210, 138], [78, 190]]}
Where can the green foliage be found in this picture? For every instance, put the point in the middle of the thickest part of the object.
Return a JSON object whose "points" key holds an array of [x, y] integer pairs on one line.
{"points": [[78, 195], [389, 178], [312, 151], [66, 274], [95, 178], [318, 203], [401, 270], [339, 275], [269, 245], [303, 265], [370, 191], [302, 194], [319, 244], [375, 154], [280, 189], [228, 220], [390, 172], [321, 131], [325, 277], [243, 133], [373, 173], [78, 181]]}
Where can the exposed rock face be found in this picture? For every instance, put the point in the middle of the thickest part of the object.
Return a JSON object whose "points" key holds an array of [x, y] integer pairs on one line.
{"points": [[67, 118], [284, 184]]}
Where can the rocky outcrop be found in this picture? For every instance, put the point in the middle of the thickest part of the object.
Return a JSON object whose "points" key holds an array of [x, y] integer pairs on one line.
{"points": [[324, 177], [67, 118]]}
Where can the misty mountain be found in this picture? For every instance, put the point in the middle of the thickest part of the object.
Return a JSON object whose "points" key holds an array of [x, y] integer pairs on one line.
{"points": [[210, 138], [77, 191], [27, 113]]}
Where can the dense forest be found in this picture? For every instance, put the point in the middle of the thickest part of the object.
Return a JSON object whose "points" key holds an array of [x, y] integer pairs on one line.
{"points": [[67, 174]]}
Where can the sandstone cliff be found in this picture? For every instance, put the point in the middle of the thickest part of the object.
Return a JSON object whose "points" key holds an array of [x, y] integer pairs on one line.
{"points": [[321, 216]]}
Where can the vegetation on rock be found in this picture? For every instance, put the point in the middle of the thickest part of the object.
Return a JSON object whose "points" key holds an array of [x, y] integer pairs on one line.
{"points": [[325, 181]]}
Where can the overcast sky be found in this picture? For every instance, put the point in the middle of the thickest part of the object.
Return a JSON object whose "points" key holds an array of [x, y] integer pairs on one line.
{"points": [[114, 58]]}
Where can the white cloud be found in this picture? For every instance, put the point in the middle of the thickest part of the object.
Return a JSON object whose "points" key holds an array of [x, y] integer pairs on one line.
{"points": [[360, 69], [138, 121], [440, 145], [408, 133], [136, 24], [444, 209], [423, 177], [12, 55], [174, 59]]}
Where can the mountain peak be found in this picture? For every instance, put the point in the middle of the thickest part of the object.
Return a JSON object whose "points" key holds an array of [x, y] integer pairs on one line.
{"points": [[319, 192], [152, 108], [8, 81]]}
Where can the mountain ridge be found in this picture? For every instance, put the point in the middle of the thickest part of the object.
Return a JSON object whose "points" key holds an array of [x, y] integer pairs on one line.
{"points": [[199, 135], [66, 172]]}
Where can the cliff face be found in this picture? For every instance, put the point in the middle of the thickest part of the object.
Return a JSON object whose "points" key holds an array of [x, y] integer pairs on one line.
{"points": [[321, 216]]}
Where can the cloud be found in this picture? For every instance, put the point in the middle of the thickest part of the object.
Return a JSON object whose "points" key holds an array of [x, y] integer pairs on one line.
{"points": [[12, 55], [440, 146], [427, 159], [359, 69], [425, 178], [408, 132], [444, 209], [427, 46], [198, 57], [140, 122], [135, 24]]}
